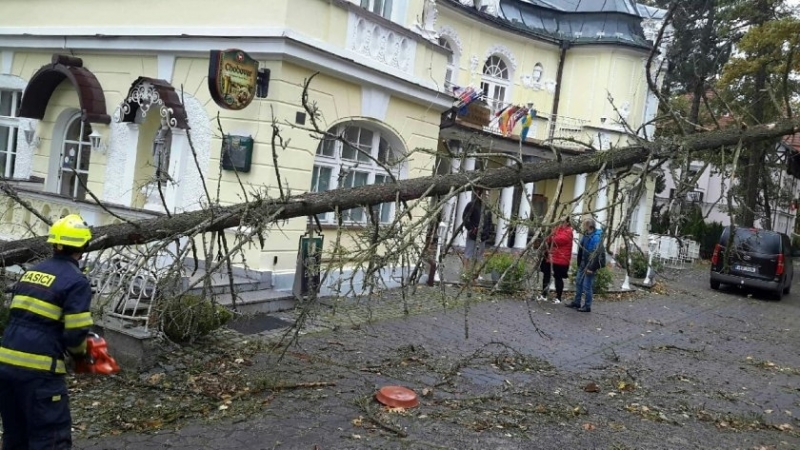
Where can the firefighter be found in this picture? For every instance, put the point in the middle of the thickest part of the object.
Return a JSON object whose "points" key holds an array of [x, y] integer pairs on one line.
{"points": [[49, 315]]}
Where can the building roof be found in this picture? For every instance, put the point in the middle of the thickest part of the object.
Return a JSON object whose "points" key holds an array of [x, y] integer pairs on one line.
{"points": [[793, 141], [577, 22], [624, 6]]}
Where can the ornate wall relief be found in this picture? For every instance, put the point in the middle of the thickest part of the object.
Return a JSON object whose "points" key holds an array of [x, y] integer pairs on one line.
{"points": [[380, 44]]}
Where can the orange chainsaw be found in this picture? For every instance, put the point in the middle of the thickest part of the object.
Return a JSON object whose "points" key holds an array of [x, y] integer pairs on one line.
{"points": [[97, 359]]}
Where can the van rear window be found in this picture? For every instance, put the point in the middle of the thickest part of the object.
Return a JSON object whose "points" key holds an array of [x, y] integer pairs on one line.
{"points": [[756, 241]]}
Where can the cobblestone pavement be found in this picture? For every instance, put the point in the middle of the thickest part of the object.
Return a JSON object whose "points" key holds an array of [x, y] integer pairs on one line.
{"points": [[692, 368]]}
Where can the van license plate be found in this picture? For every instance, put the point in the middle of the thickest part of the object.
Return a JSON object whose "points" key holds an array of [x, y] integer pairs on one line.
{"points": [[741, 268]]}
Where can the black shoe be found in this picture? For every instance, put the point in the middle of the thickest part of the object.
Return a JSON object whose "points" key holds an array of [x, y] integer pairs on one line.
{"points": [[573, 305], [585, 309]]}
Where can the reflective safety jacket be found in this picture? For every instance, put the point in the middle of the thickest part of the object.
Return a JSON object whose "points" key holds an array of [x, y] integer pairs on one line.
{"points": [[49, 315]]}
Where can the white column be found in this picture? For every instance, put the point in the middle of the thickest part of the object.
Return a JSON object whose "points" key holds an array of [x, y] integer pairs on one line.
{"points": [[601, 204], [506, 205], [123, 141], [450, 213], [179, 155], [577, 209], [23, 165], [524, 214], [463, 199]]}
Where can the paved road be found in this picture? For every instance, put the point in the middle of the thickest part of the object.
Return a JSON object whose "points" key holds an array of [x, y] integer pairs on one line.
{"points": [[692, 369]]}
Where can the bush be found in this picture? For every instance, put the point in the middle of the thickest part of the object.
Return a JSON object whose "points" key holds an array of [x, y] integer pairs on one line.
{"points": [[190, 316], [638, 263], [514, 270]]}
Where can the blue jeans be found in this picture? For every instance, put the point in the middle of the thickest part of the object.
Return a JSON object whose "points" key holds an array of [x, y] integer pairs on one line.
{"points": [[584, 284]]}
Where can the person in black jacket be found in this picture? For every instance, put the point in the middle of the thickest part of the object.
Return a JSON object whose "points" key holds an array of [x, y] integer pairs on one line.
{"points": [[476, 217], [49, 316]]}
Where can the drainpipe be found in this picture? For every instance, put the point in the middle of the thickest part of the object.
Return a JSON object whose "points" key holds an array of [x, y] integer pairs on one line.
{"points": [[565, 45]]}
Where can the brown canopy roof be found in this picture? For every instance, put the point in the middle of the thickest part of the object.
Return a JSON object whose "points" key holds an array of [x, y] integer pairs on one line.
{"points": [[46, 80], [165, 92]]}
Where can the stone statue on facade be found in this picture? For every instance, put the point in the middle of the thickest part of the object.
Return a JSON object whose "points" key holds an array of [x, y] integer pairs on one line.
{"points": [[428, 26], [161, 147]]}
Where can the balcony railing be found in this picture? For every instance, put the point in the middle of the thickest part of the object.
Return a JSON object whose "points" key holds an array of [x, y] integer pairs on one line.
{"points": [[17, 222], [567, 131]]}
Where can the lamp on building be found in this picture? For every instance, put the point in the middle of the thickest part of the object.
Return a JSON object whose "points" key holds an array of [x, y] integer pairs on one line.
{"points": [[30, 136], [96, 139]]}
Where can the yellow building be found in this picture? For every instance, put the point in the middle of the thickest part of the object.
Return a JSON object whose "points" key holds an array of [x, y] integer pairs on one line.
{"points": [[99, 102], [97, 105], [580, 68]]}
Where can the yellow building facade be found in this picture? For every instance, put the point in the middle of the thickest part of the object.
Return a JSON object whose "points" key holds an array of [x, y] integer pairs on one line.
{"points": [[143, 86], [95, 106], [581, 69]]}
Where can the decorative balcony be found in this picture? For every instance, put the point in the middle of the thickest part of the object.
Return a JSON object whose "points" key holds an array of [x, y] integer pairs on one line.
{"points": [[381, 40], [567, 131], [17, 222]]}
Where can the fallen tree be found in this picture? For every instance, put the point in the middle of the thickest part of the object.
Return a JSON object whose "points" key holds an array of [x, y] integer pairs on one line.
{"points": [[309, 204]]}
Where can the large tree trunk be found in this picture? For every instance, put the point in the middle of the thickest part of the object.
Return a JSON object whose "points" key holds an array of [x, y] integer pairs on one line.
{"points": [[309, 204]]}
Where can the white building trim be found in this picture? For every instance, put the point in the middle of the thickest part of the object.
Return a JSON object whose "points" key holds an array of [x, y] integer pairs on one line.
{"points": [[260, 43]]}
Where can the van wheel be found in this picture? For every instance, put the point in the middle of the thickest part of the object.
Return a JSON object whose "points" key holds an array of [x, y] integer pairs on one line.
{"points": [[714, 284], [777, 295], [788, 288]]}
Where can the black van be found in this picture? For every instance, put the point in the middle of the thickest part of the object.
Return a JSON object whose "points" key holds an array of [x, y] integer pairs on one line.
{"points": [[758, 259]]}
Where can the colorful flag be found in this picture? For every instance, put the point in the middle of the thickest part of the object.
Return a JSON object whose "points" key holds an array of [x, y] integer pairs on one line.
{"points": [[505, 118], [526, 123], [512, 121]]}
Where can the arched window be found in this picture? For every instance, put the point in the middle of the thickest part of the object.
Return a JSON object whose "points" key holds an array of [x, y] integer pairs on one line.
{"points": [[367, 158], [76, 150], [452, 67], [495, 82]]}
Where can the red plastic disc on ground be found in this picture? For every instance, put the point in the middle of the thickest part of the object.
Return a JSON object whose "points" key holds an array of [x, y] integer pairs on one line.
{"points": [[397, 397]]}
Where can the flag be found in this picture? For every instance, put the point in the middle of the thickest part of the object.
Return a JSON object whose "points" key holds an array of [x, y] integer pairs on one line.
{"points": [[526, 123], [512, 121], [505, 118]]}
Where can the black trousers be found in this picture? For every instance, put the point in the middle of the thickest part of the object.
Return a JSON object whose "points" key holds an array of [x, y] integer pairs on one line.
{"points": [[35, 410], [559, 272]]}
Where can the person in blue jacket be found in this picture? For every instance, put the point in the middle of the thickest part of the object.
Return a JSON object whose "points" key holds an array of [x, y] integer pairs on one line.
{"points": [[590, 259], [49, 315]]}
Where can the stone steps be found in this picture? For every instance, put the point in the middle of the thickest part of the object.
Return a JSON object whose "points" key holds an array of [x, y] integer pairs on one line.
{"points": [[258, 302]]}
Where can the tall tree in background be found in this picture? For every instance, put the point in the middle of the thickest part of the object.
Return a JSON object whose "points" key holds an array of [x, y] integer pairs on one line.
{"points": [[757, 84]]}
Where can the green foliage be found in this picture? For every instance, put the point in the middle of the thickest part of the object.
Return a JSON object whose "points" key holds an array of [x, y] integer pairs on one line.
{"points": [[190, 316], [638, 262], [603, 281], [513, 267]]}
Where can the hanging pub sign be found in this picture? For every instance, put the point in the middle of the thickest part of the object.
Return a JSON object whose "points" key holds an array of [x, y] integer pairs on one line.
{"points": [[232, 78]]}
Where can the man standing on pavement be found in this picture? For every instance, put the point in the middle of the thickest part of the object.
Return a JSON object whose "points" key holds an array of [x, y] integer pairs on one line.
{"points": [[590, 259], [476, 217], [49, 315], [556, 261]]}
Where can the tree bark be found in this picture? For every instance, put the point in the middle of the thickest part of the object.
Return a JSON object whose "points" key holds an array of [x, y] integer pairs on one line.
{"points": [[258, 211]]}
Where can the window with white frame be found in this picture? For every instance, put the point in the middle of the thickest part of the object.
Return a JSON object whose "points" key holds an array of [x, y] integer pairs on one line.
{"points": [[9, 130], [495, 82], [369, 160], [73, 171], [451, 70], [380, 7]]}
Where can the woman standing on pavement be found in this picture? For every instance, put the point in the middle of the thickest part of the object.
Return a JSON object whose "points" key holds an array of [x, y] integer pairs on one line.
{"points": [[556, 261]]}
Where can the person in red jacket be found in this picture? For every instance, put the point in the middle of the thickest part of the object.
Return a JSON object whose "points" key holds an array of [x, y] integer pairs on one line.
{"points": [[556, 261]]}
